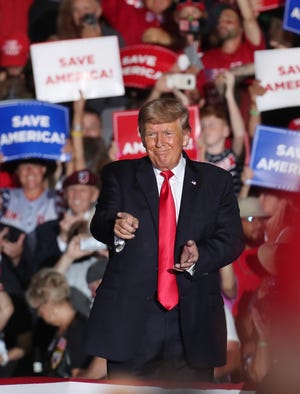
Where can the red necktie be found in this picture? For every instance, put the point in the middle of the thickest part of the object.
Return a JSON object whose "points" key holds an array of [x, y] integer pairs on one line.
{"points": [[167, 291]]}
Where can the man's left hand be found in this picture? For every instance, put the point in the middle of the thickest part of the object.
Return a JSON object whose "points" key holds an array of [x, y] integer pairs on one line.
{"points": [[189, 256]]}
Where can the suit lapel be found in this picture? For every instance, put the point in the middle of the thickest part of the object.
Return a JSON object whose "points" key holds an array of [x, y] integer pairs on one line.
{"points": [[189, 199]]}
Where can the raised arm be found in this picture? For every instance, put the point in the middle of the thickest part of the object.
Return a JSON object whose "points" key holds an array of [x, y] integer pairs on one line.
{"points": [[236, 120], [251, 27]]}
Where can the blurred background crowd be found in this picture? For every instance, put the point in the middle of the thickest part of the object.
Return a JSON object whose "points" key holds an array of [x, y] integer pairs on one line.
{"points": [[50, 266]]}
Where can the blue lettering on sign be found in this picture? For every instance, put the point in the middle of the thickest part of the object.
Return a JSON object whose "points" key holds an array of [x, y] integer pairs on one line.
{"points": [[296, 13], [291, 19], [31, 128], [275, 158]]}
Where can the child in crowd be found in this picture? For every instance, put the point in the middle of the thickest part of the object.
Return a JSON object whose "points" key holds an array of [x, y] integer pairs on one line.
{"points": [[216, 129]]}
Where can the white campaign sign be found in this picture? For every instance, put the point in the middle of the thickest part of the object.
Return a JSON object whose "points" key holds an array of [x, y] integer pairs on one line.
{"points": [[62, 68], [279, 71]]}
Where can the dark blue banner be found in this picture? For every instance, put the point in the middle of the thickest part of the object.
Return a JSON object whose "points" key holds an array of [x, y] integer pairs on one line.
{"points": [[275, 158], [291, 20], [30, 128]]}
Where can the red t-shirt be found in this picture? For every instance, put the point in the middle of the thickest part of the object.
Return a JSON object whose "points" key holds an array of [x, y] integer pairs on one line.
{"points": [[249, 274], [130, 19], [14, 16], [216, 61]]}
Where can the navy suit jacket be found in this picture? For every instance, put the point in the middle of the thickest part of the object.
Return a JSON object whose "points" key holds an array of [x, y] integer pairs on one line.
{"points": [[209, 215]]}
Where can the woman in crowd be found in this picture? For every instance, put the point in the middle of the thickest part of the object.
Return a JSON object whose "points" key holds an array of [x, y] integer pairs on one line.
{"points": [[49, 294]]}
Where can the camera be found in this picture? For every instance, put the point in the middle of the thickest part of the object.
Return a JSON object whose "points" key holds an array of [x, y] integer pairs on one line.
{"points": [[89, 19], [91, 244], [181, 81]]}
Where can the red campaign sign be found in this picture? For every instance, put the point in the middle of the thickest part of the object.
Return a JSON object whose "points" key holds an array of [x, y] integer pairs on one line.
{"points": [[143, 64], [128, 139], [266, 5]]}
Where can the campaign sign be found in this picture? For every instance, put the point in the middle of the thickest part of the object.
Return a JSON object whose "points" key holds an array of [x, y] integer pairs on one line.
{"points": [[265, 5], [30, 128], [279, 72], [128, 140], [62, 68], [143, 64], [291, 19], [275, 158]]}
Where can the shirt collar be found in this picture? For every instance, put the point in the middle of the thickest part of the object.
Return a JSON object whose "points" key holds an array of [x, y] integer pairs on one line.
{"points": [[177, 171]]}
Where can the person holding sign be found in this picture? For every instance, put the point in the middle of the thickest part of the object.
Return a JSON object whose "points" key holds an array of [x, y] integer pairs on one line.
{"points": [[81, 19], [159, 313], [24, 208]]}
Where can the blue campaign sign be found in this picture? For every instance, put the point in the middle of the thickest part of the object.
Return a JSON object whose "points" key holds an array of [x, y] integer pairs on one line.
{"points": [[31, 128], [275, 158], [291, 19]]}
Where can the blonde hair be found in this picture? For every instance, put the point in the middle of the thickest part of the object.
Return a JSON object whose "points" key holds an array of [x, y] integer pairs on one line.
{"points": [[163, 110], [47, 285]]}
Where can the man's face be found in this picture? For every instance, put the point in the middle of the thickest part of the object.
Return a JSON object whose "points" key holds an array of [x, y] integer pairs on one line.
{"points": [[80, 197], [253, 228], [213, 131], [157, 6], [164, 143], [83, 7], [91, 125], [229, 25], [31, 176]]}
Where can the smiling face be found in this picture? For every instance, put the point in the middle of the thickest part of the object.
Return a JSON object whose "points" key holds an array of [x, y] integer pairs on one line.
{"points": [[81, 197], [31, 176], [164, 143]]}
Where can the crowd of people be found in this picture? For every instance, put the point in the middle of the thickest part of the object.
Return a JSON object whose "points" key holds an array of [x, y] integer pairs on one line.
{"points": [[51, 266]]}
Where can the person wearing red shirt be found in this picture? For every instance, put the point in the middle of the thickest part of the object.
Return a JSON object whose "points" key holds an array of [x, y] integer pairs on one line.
{"points": [[133, 17], [14, 16], [240, 36], [247, 268]]}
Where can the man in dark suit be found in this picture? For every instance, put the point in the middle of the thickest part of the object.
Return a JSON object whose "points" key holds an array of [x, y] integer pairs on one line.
{"points": [[128, 325]]}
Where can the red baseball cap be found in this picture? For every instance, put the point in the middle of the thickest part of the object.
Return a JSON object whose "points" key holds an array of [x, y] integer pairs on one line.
{"points": [[188, 3], [81, 177], [14, 50]]}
